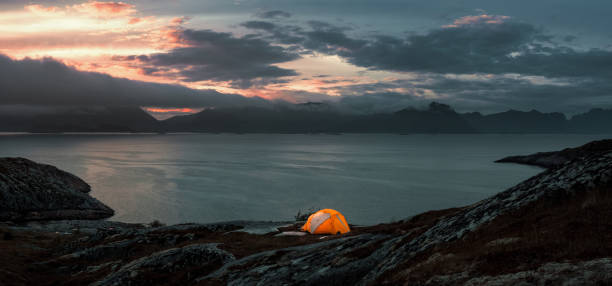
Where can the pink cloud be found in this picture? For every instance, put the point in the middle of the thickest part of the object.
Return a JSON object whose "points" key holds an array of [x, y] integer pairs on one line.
{"points": [[179, 20], [105, 9], [95, 8], [40, 9], [477, 20], [111, 7], [135, 21]]}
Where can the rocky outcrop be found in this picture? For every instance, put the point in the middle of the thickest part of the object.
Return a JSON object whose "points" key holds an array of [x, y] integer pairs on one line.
{"points": [[592, 272], [331, 261], [168, 261], [32, 191], [557, 158], [555, 227]]}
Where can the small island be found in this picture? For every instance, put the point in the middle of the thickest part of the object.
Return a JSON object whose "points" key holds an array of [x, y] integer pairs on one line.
{"points": [[553, 228]]}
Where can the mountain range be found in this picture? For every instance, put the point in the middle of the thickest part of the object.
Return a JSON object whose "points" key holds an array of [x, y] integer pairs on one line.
{"points": [[308, 118]]}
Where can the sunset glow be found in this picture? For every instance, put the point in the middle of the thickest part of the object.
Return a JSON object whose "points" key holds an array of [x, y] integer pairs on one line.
{"points": [[90, 36], [165, 110], [295, 57], [86, 36]]}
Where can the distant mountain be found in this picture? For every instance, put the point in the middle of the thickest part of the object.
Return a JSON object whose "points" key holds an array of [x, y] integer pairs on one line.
{"points": [[82, 119], [255, 120], [595, 121], [513, 121], [311, 117], [318, 118]]}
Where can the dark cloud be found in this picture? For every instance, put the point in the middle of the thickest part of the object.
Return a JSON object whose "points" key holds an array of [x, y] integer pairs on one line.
{"points": [[283, 34], [372, 103], [486, 63], [569, 38], [484, 48], [479, 47], [49, 82], [274, 14], [218, 56], [260, 25], [328, 38], [479, 93], [502, 93]]}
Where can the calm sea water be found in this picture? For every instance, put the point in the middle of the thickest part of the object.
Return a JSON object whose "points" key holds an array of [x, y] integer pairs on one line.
{"points": [[207, 178]]}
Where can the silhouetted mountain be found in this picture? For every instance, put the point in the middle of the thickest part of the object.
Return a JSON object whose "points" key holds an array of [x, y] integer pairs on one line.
{"points": [[595, 121], [311, 117], [439, 118], [255, 120], [513, 121], [319, 118], [82, 119]]}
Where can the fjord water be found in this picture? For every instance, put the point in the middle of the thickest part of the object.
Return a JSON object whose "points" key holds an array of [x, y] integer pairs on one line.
{"points": [[220, 177]]}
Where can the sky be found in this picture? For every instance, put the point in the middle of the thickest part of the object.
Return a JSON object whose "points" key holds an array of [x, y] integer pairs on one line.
{"points": [[181, 56]]}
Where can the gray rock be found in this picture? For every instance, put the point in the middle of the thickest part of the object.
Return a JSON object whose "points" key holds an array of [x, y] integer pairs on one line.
{"points": [[32, 191], [558, 158], [590, 172], [90, 227], [170, 260], [332, 262], [351, 261], [253, 227], [592, 272], [115, 249]]}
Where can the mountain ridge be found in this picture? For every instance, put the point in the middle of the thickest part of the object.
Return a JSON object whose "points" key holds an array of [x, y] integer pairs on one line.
{"points": [[309, 117]]}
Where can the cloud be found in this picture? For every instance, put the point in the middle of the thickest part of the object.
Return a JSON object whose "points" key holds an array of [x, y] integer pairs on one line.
{"points": [[478, 20], [40, 9], [478, 92], [274, 14], [502, 92], [215, 56], [135, 20], [378, 103], [472, 44], [110, 7], [486, 62], [259, 25], [49, 82], [284, 34], [179, 20], [91, 8]]}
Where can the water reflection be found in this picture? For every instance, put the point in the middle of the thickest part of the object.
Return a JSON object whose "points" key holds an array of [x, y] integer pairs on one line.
{"points": [[206, 178]]}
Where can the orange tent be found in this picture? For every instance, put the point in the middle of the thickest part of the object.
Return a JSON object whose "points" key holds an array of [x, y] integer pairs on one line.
{"points": [[326, 221]]}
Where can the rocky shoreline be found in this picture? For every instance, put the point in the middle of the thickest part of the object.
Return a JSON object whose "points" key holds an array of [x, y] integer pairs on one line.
{"points": [[553, 228], [31, 191], [557, 158]]}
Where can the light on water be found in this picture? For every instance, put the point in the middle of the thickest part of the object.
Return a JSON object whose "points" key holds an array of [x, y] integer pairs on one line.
{"points": [[207, 178]]}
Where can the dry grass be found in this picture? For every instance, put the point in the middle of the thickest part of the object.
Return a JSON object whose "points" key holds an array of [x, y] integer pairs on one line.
{"points": [[561, 229]]}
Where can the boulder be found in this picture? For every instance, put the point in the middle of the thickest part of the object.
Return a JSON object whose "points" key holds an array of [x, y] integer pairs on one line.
{"points": [[142, 271], [33, 191]]}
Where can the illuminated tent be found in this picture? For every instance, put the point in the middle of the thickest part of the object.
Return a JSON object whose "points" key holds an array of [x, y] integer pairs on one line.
{"points": [[326, 221]]}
